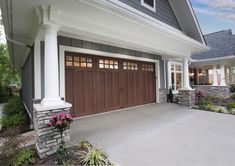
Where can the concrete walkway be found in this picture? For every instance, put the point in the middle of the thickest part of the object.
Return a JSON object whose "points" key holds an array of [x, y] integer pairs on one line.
{"points": [[161, 134]]}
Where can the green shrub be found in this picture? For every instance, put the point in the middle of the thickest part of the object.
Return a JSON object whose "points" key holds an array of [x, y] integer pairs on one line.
{"points": [[208, 106], [13, 121], [233, 111], [232, 88], [230, 105], [220, 109], [84, 145], [233, 96], [14, 113], [24, 156], [5, 94]]}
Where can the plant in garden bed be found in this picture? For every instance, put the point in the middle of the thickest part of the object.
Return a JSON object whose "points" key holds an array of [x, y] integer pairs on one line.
{"points": [[200, 99], [23, 157], [230, 105], [61, 122], [90, 155], [15, 116], [232, 88]]}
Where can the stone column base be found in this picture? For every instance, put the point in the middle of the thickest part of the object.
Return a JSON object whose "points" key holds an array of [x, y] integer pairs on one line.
{"points": [[163, 95], [48, 138], [186, 97]]}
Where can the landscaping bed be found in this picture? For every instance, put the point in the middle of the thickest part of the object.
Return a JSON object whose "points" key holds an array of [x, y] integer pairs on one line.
{"points": [[83, 153], [215, 104]]}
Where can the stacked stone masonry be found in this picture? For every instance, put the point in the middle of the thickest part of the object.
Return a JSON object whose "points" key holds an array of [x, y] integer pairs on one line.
{"points": [[186, 97], [217, 91], [163, 95], [48, 138]]}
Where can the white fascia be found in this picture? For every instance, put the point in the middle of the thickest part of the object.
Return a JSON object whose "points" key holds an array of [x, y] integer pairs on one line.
{"points": [[196, 21]]}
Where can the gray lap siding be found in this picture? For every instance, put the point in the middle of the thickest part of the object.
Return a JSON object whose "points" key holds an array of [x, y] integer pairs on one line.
{"points": [[163, 12]]}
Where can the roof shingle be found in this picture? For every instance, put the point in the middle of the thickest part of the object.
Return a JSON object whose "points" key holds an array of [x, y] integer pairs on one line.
{"points": [[222, 44]]}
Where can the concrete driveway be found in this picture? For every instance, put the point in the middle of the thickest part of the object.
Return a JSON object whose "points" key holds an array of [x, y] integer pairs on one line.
{"points": [[161, 134]]}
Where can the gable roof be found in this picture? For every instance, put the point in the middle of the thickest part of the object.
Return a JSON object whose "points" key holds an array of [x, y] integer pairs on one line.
{"points": [[187, 19], [222, 44]]}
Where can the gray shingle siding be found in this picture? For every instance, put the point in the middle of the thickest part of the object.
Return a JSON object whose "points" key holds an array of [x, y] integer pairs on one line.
{"points": [[113, 49], [163, 12], [222, 44]]}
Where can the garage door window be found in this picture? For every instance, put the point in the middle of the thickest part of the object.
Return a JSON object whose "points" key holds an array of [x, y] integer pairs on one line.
{"points": [[147, 67], [130, 66], [78, 61], [108, 64]]}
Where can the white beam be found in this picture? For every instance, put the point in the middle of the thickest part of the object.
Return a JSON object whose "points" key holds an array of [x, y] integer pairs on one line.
{"points": [[186, 85], [215, 80], [222, 76]]}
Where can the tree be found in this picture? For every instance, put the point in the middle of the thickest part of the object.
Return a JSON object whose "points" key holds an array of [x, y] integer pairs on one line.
{"points": [[8, 74]]}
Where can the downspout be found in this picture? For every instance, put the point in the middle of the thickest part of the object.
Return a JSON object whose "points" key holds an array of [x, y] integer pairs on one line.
{"points": [[18, 43]]}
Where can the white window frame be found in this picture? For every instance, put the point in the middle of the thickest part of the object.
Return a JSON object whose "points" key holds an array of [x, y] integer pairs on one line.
{"points": [[169, 75], [148, 6]]}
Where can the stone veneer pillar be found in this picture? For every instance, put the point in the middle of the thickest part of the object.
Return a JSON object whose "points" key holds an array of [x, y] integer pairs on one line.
{"points": [[163, 95], [48, 138], [186, 97]]}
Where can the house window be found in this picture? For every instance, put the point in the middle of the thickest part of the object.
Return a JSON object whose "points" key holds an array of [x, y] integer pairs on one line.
{"points": [[176, 76], [130, 66], [150, 4], [74, 61], [108, 64]]}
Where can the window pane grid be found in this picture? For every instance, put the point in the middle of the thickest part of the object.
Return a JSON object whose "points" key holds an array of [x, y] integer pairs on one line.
{"points": [[176, 76], [108, 64], [130, 66], [147, 67], [74, 61]]}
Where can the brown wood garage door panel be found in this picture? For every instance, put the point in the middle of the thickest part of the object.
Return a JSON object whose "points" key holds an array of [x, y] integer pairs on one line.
{"points": [[94, 90], [69, 92]]}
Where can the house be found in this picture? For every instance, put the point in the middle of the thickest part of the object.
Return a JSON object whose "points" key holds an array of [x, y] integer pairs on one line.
{"points": [[210, 71], [221, 56], [95, 56]]}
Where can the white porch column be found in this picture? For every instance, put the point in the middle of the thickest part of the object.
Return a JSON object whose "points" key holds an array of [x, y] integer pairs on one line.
{"points": [[186, 85], [51, 66], [215, 81], [222, 76]]}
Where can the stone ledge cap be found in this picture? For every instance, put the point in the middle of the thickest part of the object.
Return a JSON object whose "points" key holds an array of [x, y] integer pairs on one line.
{"points": [[63, 105]]}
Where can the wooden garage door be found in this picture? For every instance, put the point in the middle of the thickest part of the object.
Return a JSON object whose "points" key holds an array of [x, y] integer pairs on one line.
{"points": [[96, 84]]}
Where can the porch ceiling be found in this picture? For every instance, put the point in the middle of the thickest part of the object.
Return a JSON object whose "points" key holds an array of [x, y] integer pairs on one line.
{"points": [[96, 21]]}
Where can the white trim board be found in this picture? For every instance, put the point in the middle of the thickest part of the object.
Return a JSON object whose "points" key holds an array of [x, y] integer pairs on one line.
{"points": [[63, 49], [148, 6]]}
